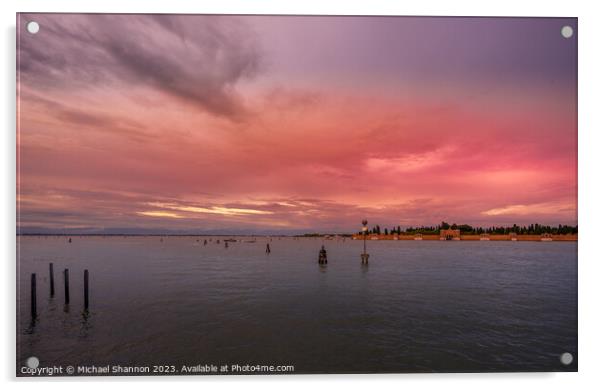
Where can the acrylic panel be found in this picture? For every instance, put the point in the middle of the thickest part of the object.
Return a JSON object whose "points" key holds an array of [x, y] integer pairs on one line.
{"points": [[255, 194]]}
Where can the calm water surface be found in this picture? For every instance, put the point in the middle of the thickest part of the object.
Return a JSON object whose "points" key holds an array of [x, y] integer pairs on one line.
{"points": [[420, 306]]}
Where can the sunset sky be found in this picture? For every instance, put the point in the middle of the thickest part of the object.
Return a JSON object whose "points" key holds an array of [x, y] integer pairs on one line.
{"points": [[235, 124]]}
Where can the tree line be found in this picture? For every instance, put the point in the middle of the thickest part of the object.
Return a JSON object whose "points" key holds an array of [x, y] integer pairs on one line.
{"points": [[533, 228]]}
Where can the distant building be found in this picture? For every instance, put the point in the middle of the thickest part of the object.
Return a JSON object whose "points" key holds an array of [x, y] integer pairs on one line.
{"points": [[449, 234]]}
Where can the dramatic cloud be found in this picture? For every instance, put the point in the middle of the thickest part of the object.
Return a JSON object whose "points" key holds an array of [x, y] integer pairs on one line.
{"points": [[270, 124], [196, 59]]}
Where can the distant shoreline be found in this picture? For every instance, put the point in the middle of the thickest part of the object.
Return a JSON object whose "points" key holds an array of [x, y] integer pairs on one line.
{"points": [[470, 237], [156, 235], [369, 237]]}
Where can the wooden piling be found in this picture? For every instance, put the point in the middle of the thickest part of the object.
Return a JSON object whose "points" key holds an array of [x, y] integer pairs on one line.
{"points": [[66, 279], [34, 308], [51, 270], [86, 300]]}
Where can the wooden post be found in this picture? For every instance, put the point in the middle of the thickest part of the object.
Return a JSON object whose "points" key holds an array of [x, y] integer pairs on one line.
{"points": [[66, 278], [51, 280], [34, 310], [86, 301]]}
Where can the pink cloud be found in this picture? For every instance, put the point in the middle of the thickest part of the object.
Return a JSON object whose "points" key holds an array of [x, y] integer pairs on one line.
{"points": [[135, 150]]}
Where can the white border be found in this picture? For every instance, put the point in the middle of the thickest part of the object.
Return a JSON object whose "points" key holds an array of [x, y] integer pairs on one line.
{"points": [[590, 194]]}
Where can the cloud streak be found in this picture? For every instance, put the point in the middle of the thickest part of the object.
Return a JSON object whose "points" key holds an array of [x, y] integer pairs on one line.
{"points": [[210, 210]]}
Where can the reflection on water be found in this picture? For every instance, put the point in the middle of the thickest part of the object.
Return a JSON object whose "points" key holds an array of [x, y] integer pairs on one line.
{"points": [[418, 306], [85, 324]]}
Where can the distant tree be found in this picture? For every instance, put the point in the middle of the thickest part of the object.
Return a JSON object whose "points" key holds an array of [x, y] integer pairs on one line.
{"points": [[464, 228], [533, 229]]}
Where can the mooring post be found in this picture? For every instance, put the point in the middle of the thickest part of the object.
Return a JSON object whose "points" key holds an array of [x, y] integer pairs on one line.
{"points": [[34, 310], [51, 270], [322, 257], [86, 301], [66, 278]]}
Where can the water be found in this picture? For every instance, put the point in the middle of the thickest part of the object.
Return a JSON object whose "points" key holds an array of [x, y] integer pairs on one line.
{"points": [[420, 306]]}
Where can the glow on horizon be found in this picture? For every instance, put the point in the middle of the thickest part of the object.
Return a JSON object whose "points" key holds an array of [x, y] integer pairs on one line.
{"points": [[161, 214], [305, 123], [211, 210]]}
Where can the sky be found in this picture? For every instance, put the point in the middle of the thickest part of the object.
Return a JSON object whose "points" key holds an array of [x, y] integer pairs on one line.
{"points": [[265, 124]]}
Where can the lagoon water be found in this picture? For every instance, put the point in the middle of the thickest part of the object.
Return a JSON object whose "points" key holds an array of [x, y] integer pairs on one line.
{"points": [[420, 306]]}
